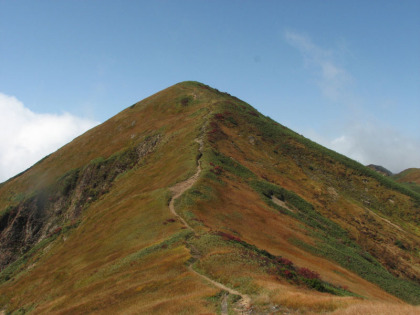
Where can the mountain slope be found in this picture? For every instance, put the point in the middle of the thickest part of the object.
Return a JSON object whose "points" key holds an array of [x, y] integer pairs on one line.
{"points": [[190, 201]]}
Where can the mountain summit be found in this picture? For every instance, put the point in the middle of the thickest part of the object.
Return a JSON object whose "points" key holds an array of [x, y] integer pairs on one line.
{"points": [[193, 202]]}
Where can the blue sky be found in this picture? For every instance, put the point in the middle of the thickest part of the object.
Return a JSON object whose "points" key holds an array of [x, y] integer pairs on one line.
{"points": [[343, 73]]}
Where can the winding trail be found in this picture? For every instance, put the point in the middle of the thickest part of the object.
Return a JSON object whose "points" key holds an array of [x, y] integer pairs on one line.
{"points": [[181, 187], [177, 191], [385, 220], [245, 300]]}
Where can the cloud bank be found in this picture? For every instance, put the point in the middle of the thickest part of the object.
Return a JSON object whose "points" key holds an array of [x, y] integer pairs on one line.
{"points": [[26, 137], [377, 144], [358, 135]]}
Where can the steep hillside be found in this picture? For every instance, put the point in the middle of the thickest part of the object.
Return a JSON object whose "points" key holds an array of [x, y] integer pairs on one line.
{"points": [[191, 202], [409, 178]]}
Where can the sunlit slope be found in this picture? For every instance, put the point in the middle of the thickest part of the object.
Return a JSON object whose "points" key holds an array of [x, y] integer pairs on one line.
{"points": [[273, 216], [410, 178]]}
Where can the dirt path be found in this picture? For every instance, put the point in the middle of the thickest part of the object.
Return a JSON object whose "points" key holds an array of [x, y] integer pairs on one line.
{"points": [[385, 220], [181, 187], [245, 301], [177, 191], [224, 307]]}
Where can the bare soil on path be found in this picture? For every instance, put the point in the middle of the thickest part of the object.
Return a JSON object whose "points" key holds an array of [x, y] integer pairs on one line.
{"points": [[177, 190], [182, 187], [245, 300]]}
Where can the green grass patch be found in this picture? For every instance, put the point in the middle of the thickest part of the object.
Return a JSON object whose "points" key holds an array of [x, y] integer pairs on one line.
{"points": [[413, 186], [212, 159]]}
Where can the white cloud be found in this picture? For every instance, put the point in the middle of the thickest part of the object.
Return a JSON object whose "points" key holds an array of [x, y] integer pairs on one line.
{"points": [[373, 143], [26, 137], [331, 78]]}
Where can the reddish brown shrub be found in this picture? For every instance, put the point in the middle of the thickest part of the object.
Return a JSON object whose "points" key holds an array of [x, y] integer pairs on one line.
{"points": [[308, 274], [169, 221], [288, 274], [185, 101], [214, 124], [217, 170], [284, 261], [228, 237]]}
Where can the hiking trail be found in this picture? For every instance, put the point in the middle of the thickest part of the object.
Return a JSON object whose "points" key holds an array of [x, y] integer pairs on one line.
{"points": [[177, 190]]}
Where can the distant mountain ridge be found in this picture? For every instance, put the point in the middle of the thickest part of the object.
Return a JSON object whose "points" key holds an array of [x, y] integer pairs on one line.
{"points": [[191, 201], [380, 169], [409, 177]]}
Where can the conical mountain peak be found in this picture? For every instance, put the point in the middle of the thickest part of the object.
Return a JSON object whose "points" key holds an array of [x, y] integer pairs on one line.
{"points": [[192, 201]]}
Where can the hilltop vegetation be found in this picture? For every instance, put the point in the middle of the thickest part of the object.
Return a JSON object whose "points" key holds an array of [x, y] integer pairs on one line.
{"points": [[271, 215]]}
